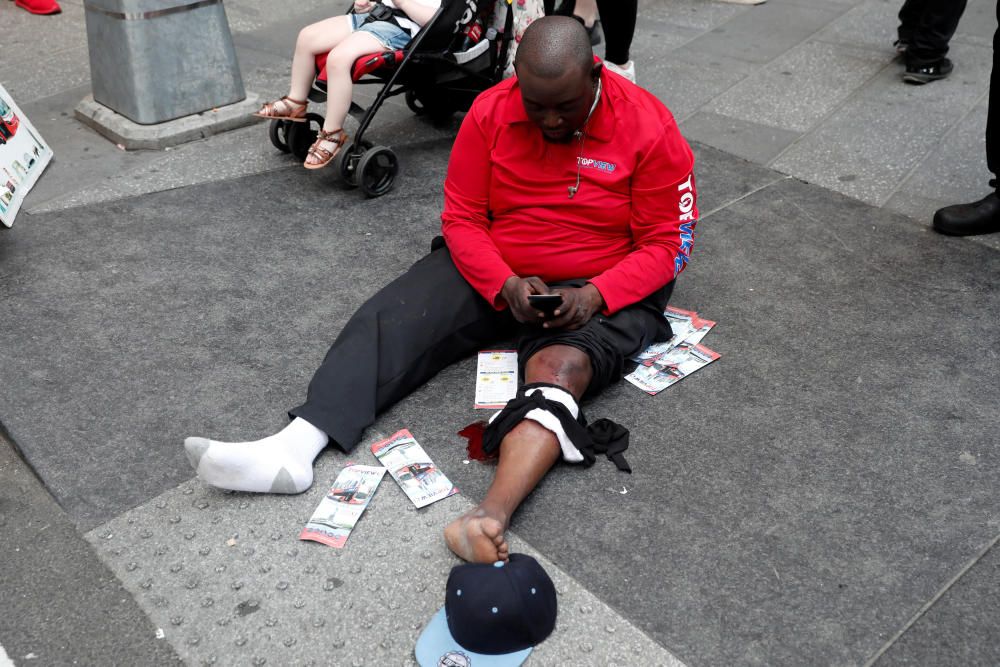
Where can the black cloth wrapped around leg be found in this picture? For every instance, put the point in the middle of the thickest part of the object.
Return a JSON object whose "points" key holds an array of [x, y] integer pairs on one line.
{"points": [[602, 437]]}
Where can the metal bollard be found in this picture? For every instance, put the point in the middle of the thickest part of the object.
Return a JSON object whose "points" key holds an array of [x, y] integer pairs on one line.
{"points": [[156, 60]]}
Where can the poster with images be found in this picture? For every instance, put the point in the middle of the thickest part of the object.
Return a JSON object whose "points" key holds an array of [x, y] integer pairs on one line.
{"points": [[23, 157]]}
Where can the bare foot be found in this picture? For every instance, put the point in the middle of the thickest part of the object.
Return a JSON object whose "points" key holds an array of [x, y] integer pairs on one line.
{"points": [[477, 538]]}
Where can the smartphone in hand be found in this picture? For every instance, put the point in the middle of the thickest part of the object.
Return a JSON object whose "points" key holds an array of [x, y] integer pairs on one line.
{"points": [[546, 303]]}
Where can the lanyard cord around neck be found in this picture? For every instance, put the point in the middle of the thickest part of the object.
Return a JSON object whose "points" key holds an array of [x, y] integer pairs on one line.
{"points": [[583, 139]]}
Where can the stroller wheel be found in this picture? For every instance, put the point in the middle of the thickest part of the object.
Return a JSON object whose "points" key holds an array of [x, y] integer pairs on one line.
{"points": [[414, 103], [277, 131], [301, 136], [439, 111], [377, 170], [345, 163]]}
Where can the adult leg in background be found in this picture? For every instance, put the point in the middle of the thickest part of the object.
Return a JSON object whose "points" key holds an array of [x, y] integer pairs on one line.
{"points": [[401, 337], [993, 112], [983, 216], [526, 455], [909, 19], [618, 21], [928, 44]]}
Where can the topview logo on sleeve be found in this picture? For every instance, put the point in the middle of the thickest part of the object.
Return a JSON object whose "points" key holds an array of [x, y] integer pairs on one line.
{"points": [[685, 203], [591, 163]]}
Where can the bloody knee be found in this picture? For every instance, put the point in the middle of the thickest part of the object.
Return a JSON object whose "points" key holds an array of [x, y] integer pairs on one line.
{"points": [[563, 365]]}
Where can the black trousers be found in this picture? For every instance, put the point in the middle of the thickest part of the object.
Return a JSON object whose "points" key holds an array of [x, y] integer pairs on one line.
{"points": [[993, 115], [617, 20], [927, 26], [429, 318]]}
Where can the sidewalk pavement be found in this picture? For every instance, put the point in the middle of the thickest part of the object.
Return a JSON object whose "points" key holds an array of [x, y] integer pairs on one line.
{"points": [[824, 494]]}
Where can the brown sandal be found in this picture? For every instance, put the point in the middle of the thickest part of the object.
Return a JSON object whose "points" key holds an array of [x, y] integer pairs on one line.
{"points": [[294, 110], [337, 137]]}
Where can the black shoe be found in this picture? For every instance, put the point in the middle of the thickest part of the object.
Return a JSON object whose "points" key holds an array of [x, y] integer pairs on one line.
{"points": [[594, 33], [980, 217], [595, 36], [920, 74]]}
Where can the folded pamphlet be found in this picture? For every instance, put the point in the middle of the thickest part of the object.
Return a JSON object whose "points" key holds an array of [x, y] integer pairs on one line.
{"points": [[413, 469], [339, 511]]}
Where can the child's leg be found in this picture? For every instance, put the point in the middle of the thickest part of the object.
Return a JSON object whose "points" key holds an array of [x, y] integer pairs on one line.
{"points": [[339, 85], [313, 40]]}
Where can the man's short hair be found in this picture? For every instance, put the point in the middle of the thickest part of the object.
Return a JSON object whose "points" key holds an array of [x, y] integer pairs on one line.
{"points": [[553, 44]]}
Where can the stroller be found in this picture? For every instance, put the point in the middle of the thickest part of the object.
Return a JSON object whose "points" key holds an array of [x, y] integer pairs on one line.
{"points": [[455, 56]]}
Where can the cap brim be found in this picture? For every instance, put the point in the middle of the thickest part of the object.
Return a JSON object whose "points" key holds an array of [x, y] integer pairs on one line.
{"points": [[436, 641]]}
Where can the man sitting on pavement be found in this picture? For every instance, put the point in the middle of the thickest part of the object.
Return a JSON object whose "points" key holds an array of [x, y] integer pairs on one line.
{"points": [[566, 179]]}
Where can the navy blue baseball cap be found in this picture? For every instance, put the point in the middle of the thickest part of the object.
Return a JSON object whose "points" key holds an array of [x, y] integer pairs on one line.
{"points": [[493, 615]]}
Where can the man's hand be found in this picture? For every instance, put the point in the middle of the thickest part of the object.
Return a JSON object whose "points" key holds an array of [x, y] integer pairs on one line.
{"points": [[578, 306], [515, 292], [362, 6]]}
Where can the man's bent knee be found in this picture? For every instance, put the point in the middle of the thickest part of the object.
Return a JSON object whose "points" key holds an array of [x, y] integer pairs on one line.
{"points": [[563, 365]]}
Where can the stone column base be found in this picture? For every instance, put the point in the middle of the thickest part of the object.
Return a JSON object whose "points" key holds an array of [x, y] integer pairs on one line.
{"points": [[132, 135]]}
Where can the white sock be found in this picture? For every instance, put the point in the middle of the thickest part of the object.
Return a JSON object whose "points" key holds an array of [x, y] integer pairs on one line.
{"points": [[281, 463]]}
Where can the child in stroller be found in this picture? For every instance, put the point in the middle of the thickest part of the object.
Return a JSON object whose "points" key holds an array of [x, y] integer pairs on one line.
{"points": [[374, 27], [459, 52]]}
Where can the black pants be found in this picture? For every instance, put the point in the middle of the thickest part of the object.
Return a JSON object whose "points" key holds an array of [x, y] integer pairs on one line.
{"points": [[429, 318], [993, 115], [927, 26], [617, 20]]}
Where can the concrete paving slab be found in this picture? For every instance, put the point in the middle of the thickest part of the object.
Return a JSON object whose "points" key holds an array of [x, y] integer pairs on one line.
{"points": [[682, 85], [251, 15], [801, 87], [723, 179], [697, 14], [60, 604], [979, 22], [757, 143], [19, 31], [47, 76], [871, 24], [82, 159], [945, 174], [868, 146], [269, 598], [764, 32], [960, 628]]}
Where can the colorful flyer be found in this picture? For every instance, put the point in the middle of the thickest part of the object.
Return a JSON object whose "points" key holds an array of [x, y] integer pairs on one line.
{"points": [[412, 469], [496, 378], [687, 327], [23, 157], [701, 329], [339, 511], [671, 369]]}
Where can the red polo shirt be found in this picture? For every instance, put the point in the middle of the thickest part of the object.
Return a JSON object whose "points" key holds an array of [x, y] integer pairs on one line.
{"points": [[507, 211]]}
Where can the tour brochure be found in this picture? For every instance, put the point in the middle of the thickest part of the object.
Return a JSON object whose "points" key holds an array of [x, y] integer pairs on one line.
{"points": [[412, 469], [340, 510], [496, 378], [667, 363]]}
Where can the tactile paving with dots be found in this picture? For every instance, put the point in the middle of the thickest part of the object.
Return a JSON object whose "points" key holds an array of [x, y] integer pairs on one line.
{"points": [[227, 581]]}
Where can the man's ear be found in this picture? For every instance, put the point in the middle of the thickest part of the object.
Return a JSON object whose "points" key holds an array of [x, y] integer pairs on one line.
{"points": [[595, 73]]}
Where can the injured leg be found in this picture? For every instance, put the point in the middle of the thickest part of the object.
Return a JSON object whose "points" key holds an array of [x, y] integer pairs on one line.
{"points": [[281, 463], [527, 453]]}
